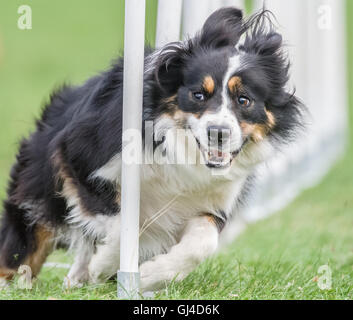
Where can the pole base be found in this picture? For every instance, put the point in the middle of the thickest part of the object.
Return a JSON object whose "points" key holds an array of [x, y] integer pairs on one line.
{"points": [[128, 285]]}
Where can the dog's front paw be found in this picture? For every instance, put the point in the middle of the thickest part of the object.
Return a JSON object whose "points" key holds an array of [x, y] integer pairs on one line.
{"points": [[97, 276], [100, 272], [157, 273], [74, 282], [150, 277]]}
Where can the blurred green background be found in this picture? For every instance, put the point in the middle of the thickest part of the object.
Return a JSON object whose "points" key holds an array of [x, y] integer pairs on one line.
{"points": [[69, 42], [73, 40]]}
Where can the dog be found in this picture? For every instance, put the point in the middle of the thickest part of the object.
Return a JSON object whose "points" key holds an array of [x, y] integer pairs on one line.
{"points": [[225, 89]]}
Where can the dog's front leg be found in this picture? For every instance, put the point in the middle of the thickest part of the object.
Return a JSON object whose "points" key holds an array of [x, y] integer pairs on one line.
{"points": [[199, 240], [78, 273], [105, 262]]}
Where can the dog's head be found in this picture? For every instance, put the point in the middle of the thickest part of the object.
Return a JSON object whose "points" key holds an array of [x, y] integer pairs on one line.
{"points": [[227, 86]]}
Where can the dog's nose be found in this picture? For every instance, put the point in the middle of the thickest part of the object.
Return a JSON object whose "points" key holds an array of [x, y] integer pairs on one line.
{"points": [[218, 135]]}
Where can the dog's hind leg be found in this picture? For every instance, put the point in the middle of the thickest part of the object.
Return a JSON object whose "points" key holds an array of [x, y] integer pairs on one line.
{"points": [[22, 243]]}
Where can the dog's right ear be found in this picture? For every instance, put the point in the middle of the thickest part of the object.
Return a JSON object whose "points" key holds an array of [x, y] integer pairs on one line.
{"points": [[169, 65], [222, 28]]}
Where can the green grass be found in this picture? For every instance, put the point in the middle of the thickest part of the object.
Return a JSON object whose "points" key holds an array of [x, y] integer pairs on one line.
{"points": [[277, 258]]}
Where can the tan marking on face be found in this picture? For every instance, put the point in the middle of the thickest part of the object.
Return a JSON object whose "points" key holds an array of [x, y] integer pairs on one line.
{"points": [[171, 104], [208, 84], [271, 121], [211, 219], [246, 128], [257, 132], [234, 83], [170, 99], [178, 116], [198, 115], [44, 246]]}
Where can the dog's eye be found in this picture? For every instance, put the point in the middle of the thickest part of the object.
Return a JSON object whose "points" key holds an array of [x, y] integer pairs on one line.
{"points": [[199, 96], [244, 101]]}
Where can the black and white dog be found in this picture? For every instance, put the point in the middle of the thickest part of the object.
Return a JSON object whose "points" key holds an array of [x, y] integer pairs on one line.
{"points": [[225, 88]]}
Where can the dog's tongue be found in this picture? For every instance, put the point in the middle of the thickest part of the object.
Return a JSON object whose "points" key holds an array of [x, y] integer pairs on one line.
{"points": [[216, 155]]}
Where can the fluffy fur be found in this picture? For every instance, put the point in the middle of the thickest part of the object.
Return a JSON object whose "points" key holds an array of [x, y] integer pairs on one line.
{"points": [[225, 86]]}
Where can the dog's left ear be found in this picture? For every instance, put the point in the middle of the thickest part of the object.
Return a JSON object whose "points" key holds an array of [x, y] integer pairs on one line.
{"points": [[222, 28], [264, 44]]}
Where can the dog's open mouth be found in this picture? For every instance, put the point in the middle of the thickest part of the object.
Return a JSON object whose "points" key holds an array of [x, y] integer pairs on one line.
{"points": [[216, 158]]}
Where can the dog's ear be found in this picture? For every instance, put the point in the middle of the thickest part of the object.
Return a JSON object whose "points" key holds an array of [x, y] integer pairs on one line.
{"points": [[265, 44], [222, 28], [168, 68], [267, 47], [261, 37]]}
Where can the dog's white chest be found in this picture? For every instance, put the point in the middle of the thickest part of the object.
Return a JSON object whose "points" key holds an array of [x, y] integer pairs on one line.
{"points": [[170, 199]]}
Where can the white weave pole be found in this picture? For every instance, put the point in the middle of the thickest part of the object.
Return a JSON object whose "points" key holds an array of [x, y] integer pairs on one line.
{"points": [[168, 21], [128, 275], [195, 13]]}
